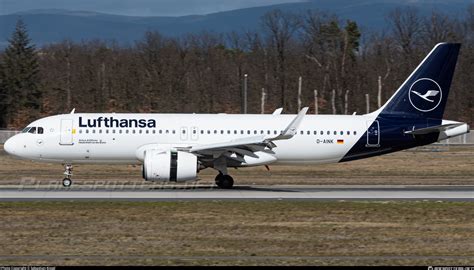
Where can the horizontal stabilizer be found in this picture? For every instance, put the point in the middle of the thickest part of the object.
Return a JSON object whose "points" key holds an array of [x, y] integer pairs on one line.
{"points": [[435, 129]]}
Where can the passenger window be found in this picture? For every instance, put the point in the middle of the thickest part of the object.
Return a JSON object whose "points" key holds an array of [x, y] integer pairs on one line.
{"points": [[329, 132], [107, 131], [355, 132], [335, 132], [322, 132], [100, 131], [80, 131], [348, 133], [342, 133], [127, 131], [309, 132], [87, 131]]}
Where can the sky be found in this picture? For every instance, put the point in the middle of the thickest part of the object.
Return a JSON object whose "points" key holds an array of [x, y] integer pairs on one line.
{"points": [[137, 7]]}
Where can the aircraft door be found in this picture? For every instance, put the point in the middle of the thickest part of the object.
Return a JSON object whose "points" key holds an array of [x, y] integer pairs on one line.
{"points": [[373, 134], [66, 132]]}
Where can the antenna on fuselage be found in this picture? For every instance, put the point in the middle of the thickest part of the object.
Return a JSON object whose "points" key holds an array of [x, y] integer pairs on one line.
{"points": [[73, 111]]}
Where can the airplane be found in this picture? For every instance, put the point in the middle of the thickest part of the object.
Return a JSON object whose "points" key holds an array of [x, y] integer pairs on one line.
{"points": [[175, 147]]}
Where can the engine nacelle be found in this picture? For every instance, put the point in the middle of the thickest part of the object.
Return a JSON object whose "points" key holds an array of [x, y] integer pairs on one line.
{"points": [[166, 165]]}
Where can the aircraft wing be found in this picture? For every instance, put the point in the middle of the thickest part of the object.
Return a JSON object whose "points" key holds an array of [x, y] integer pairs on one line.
{"points": [[249, 145]]}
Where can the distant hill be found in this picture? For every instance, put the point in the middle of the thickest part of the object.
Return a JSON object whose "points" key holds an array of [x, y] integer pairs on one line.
{"points": [[47, 26]]}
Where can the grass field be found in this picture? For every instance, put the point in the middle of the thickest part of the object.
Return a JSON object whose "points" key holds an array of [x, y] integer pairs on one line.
{"points": [[230, 233], [443, 166], [246, 233]]}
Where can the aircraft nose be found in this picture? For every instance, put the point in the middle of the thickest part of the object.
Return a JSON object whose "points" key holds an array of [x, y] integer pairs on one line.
{"points": [[9, 146]]}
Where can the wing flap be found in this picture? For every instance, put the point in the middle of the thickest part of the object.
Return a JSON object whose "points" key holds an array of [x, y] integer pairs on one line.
{"points": [[231, 144]]}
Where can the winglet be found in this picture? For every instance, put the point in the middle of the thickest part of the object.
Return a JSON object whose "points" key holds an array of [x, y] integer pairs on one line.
{"points": [[278, 111], [292, 128]]}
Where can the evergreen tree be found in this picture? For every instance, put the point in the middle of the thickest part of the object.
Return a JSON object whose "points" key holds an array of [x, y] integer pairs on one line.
{"points": [[353, 34], [19, 80]]}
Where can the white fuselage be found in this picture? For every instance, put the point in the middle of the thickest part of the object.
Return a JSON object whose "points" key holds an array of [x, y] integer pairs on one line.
{"points": [[69, 138]]}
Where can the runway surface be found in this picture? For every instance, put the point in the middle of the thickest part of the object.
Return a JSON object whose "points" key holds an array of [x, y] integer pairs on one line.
{"points": [[276, 192]]}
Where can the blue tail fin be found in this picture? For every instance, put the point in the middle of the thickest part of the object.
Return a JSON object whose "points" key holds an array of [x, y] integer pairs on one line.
{"points": [[425, 92]]}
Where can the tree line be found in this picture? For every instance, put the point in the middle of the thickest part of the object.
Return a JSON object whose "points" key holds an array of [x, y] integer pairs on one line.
{"points": [[204, 72]]}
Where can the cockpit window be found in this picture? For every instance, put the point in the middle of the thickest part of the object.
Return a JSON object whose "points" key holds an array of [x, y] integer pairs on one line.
{"points": [[33, 130]]}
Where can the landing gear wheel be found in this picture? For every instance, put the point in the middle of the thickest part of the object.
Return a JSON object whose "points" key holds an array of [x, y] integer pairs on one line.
{"points": [[224, 181], [67, 182]]}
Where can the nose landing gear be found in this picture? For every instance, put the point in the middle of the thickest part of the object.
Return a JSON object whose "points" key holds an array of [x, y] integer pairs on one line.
{"points": [[67, 182]]}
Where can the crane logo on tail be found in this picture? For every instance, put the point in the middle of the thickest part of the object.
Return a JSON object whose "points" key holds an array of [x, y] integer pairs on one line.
{"points": [[430, 93], [425, 95]]}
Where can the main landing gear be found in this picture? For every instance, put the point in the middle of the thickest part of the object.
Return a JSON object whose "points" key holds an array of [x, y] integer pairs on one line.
{"points": [[224, 181], [67, 182]]}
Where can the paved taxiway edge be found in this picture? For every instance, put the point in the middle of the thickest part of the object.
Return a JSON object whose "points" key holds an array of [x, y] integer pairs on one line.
{"points": [[381, 193]]}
